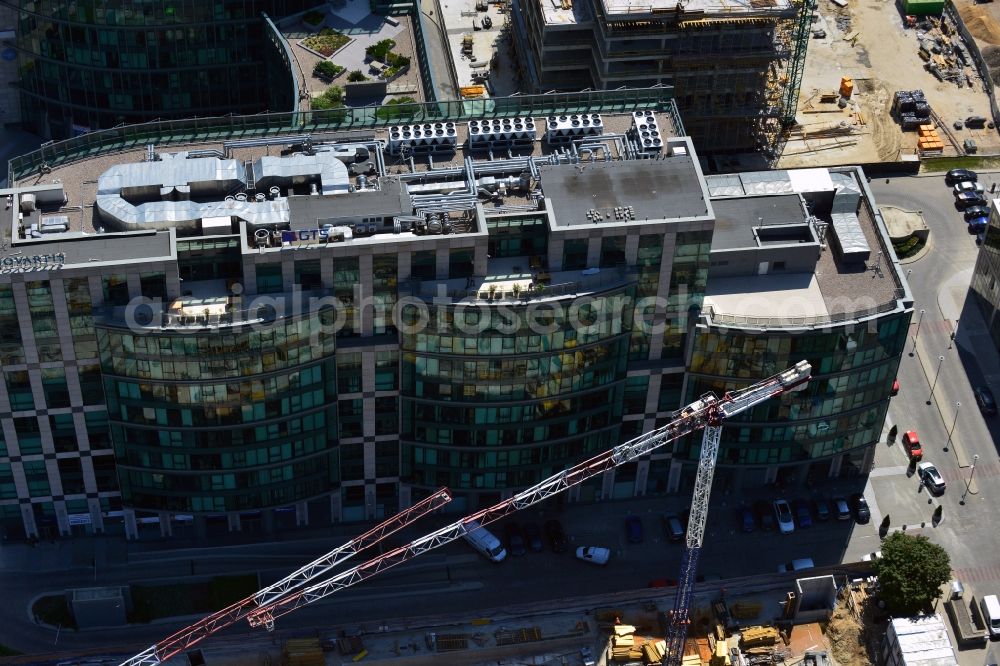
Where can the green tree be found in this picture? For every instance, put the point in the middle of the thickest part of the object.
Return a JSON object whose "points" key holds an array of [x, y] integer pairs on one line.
{"points": [[910, 572]]}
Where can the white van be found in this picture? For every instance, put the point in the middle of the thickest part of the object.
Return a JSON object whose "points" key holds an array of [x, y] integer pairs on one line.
{"points": [[484, 541], [991, 614]]}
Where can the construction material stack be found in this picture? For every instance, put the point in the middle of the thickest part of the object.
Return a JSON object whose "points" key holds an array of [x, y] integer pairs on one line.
{"points": [[929, 141], [303, 652], [911, 109]]}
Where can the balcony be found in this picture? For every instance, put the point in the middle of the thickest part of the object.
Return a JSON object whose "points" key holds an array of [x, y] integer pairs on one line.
{"points": [[509, 284]]}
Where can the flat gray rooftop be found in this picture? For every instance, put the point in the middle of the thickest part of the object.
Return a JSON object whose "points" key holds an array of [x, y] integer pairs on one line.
{"points": [[662, 189], [311, 212], [736, 218]]}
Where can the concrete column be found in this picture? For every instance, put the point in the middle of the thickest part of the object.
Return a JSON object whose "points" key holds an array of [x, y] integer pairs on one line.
{"points": [[405, 496], [641, 476], [403, 266], [632, 249], [96, 517], [301, 514], [249, 276], [62, 519], [835, 464], [441, 257], [869, 461], [337, 505], [555, 254], [593, 252], [166, 527], [234, 522], [288, 272], [608, 484], [480, 260], [674, 476], [131, 526], [369, 502], [28, 517], [771, 474]]}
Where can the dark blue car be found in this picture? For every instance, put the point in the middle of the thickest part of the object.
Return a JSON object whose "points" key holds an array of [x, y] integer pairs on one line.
{"points": [[633, 529], [802, 513], [745, 516], [977, 225]]}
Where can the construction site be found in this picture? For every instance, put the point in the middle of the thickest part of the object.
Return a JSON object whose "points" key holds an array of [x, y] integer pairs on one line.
{"points": [[862, 56], [735, 66]]}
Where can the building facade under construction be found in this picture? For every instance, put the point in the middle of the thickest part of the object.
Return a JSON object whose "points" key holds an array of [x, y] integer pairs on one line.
{"points": [[735, 65]]}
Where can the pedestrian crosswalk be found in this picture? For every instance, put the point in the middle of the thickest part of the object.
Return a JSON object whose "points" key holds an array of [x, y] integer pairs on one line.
{"points": [[988, 572]]}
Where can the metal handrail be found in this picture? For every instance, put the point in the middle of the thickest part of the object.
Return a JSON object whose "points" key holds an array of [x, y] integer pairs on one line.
{"points": [[725, 319]]}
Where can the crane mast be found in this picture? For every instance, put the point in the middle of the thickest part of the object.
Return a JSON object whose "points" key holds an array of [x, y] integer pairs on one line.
{"points": [[295, 590]]}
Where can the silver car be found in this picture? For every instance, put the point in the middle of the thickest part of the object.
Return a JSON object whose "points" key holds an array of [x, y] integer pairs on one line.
{"points": [[931, 477]]}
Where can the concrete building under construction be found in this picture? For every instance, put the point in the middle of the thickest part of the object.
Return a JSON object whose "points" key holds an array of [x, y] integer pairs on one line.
{"points": [[735, 65]]}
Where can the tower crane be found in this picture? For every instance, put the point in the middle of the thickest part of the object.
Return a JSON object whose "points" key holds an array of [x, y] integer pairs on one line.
{"points": [[707, 412]]}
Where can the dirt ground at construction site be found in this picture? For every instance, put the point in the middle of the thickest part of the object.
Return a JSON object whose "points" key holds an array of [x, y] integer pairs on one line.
{"points": [[867, 41]]}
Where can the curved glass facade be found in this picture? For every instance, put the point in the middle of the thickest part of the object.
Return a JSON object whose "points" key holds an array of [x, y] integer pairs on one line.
{"points": [[498, 397], [842, 409], [223, 421], [93, 64]]}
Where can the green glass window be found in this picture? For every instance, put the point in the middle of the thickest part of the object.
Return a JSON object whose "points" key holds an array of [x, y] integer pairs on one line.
{"points": [[574, 254], [423, 265], [460, 263], [307, 274], [19, 390], [269, 278], [116, 290], [612, 251], [54, 387], [153, 285]]}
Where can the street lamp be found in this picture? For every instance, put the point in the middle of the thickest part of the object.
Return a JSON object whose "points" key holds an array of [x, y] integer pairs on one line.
{"points": [[972, 473], [917, 333], [937, 374], [958, 406]]}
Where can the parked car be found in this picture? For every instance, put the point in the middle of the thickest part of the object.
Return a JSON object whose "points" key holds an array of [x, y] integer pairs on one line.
{"points": [[871, 557], [593, 554], [911, 444], [557, 536], [984, 398], [968, 199], [802, 514], [533, 537], [861, 510], [764, 515], [895, 387], [968, 186], [841, 508], [633, 529], [745, 518], [672, 527], [960, 175], [515, 539], [977, 225], [796, 565], [822, 509], [931, 477], [976, 211], [783, 516]]}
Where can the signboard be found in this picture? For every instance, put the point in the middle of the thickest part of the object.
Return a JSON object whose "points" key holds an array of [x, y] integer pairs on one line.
{"points": [[314, 235], [32, 262]]}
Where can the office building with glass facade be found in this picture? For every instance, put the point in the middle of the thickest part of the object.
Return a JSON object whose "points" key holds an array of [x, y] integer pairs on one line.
{"points": [[257, 334], [986, 276], [93, 64]]}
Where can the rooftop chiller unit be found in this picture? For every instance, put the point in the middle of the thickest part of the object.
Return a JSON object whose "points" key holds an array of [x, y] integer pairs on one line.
{"points": [[423, 138], [564, 129], [646, 131], [501, 133]]}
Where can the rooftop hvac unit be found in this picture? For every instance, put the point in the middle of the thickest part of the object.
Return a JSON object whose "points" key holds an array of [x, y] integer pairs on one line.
{"points": [[565, 128], [646, 131], [423, 138], [504, 132]]}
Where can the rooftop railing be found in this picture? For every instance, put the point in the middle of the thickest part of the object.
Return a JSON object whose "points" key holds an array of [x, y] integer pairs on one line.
{"points": [[223, 128], [716, 318]]}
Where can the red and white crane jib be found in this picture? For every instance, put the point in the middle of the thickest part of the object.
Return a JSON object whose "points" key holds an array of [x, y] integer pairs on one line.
{"points": [[189, 636], [693, 417]]}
